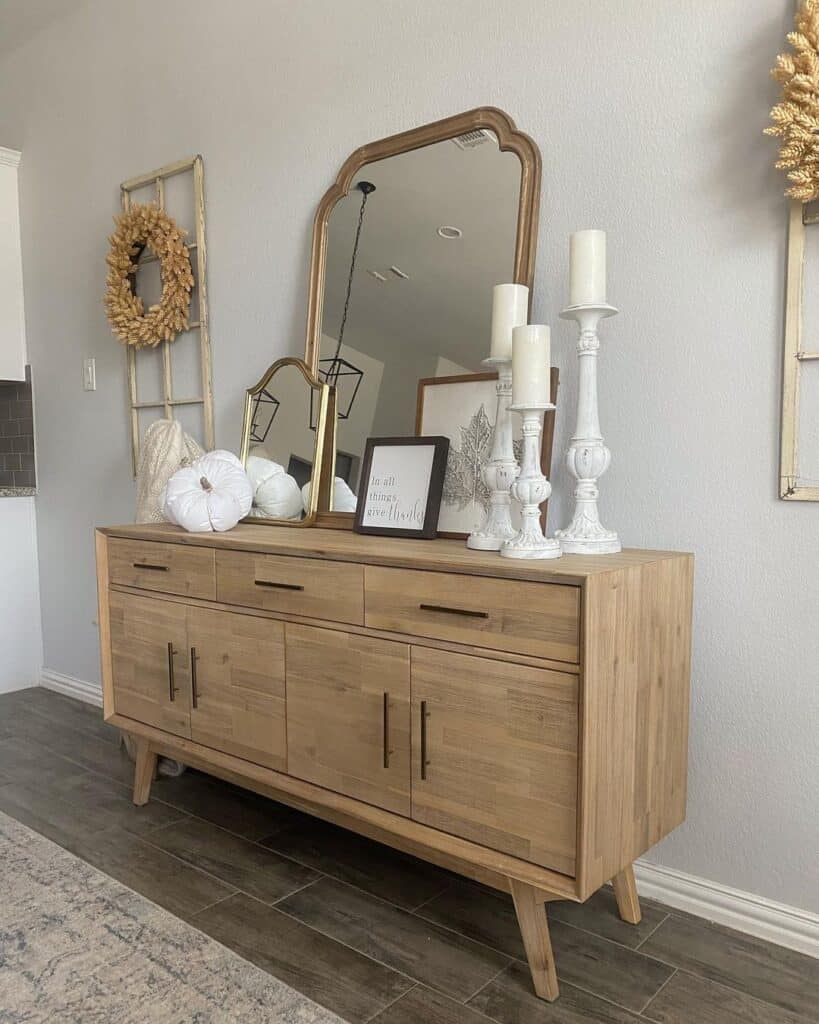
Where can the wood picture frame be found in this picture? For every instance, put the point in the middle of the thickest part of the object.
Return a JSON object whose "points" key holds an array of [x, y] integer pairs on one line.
{"points": [[793, 484], [547, 442], [402, 500]]}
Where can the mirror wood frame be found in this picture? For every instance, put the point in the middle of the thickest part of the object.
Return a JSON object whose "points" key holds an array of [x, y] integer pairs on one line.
{"points": [[510, 140], [324, 452]]}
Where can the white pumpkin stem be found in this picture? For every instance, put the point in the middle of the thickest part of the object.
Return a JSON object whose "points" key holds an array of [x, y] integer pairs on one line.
{"points": [[205, 484]]}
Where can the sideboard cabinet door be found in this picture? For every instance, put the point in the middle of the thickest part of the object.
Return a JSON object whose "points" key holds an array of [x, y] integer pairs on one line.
{"points": [[494, 754], [348, 714], [149, 657], [237, 685]]}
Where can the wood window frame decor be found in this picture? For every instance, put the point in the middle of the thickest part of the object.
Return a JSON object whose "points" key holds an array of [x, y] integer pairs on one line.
{"points": [[547, 439], [801, 216], [510, 139], [429, 529], [169, 401]]}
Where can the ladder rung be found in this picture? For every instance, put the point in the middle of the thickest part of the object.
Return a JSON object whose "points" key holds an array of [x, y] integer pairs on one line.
{"points": [[160, 404], [807, 356]]}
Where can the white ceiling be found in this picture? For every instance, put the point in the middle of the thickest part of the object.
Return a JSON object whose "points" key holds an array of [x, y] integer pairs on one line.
{"points": [[22, 19], [445, 305]]}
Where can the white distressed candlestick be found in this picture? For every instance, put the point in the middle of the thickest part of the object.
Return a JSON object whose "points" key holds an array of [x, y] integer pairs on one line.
{"points": [[500, 471], [588, 457], [531, 489], [510, 304]]}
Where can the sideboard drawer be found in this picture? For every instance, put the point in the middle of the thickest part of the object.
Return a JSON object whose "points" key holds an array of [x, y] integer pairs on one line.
{"points": [[298, 586], [539, 619], [170, 568]]}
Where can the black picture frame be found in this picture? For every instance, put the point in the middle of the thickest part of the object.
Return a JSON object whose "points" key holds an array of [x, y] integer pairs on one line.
{"points": [[435, 487]]}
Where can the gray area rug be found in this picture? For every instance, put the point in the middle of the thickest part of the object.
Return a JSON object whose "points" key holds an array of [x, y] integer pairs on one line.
{"points": [[76, 946]]}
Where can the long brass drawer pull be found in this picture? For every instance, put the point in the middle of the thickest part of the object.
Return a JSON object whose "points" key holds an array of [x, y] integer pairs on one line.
{"points": [[424, 759], [154, 568], [469, 612], [194, 690], [278, 586], [171, 681], [387, 750]]}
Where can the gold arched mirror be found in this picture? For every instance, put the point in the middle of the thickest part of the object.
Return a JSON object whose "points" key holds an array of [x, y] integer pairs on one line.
{"points": [[288, 444], [408, 243]]}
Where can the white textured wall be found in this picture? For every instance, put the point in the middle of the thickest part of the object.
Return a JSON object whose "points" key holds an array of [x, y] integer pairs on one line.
{"points": [[649, 117]]}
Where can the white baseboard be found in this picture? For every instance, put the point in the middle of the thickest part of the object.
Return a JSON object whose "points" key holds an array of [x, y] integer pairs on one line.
{"points": [[81, 689], [743, 911], [754, 915]]}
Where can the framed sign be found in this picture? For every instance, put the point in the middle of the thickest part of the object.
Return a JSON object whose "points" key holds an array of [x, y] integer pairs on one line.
{"points": [[400, 489], [463, 408]]}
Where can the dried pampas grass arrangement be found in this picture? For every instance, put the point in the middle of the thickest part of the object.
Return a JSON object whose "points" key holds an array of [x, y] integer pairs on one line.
{"points": [[796, 117], [148, 226]]}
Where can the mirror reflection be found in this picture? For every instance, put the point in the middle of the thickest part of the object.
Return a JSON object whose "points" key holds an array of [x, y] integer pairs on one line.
{"points": [[413, 252], [283, 439]]}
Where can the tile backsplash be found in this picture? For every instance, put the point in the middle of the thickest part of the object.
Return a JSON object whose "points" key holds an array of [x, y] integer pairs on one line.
{"points": [[17, 433]]}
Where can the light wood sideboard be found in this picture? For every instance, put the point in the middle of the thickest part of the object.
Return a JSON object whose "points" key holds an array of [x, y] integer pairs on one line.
{"points": [[521, 723]]}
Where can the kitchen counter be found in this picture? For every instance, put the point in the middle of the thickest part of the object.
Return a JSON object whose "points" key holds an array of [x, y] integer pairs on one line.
{"points": [[18, 492]]}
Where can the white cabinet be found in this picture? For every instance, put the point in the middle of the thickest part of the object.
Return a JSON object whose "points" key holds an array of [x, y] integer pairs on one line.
{"points": [[12, 319]]}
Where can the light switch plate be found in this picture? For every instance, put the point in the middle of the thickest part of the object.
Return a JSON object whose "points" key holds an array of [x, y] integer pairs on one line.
{"points": [[89, 374]]}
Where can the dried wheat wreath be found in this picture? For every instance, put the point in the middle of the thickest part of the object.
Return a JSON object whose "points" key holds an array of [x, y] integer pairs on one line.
{"points": [[148, 226]]}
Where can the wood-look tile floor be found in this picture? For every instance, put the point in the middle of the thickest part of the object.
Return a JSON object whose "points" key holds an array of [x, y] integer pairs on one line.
{"points": [[372, 934]]}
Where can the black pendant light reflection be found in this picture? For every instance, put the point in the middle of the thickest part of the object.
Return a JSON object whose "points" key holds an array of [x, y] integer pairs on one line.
{"points": [[336, 371], [265, 408]]}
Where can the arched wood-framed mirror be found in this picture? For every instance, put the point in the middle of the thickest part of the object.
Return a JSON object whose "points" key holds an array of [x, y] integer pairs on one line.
{"points": [[407, 244]]}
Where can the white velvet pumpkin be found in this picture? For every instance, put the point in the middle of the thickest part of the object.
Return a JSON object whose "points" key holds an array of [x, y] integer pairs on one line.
{"points": [[343, 498], [275, 493], [212, 494]]}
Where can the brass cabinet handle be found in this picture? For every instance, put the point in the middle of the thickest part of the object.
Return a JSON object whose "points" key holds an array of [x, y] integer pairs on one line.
{"points": [[278, 586], [194, 691], [387, 750], [171, 681], [470, 613], [424, 759], [148, 565]]}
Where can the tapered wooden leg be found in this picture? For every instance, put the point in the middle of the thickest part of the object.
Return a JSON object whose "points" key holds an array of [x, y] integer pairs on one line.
{"points": [[534, 928], [144, 771], [625, 892]]}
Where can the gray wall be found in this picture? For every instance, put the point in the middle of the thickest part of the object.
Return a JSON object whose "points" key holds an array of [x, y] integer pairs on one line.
{"points": [[649, 117]]}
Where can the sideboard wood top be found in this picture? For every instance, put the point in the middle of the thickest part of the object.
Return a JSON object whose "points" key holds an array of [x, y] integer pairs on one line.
{"points": [[432, 555]]}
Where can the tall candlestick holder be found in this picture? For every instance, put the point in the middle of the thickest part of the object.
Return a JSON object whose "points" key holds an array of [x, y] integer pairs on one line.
{"points": [[588, 457], [500, 471], [531, 489]]}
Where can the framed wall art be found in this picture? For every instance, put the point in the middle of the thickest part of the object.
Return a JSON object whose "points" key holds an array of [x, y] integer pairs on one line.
{"points": [[462, 408], [400, 489]]}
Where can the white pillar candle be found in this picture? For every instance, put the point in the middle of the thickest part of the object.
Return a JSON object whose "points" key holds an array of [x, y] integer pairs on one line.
{"points": [[510, 309], [530, 365], [587, 268]]}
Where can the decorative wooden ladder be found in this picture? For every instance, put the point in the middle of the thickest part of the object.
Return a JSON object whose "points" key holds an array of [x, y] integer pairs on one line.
{"points": [[169, 402]]}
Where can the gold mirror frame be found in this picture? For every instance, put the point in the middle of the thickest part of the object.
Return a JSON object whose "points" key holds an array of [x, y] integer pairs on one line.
{"points": [[509, 140], [325, 450]]}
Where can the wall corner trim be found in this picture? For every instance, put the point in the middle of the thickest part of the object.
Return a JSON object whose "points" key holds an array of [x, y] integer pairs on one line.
{"points": [[10, 157], [80, 689], [743, 911]]}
